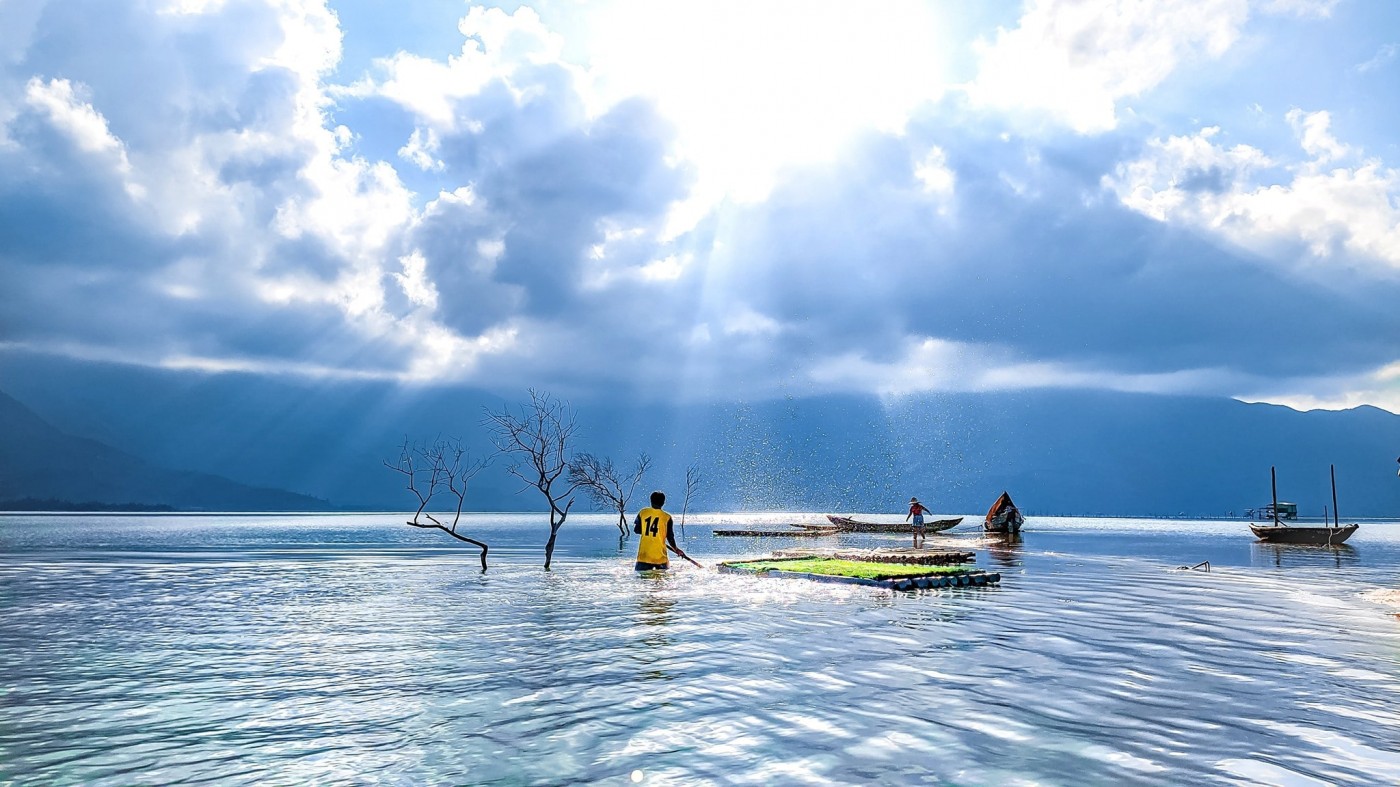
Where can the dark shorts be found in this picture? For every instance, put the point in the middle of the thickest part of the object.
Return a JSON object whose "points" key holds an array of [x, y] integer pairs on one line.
{"points": [[652, 566], [918, 523]]}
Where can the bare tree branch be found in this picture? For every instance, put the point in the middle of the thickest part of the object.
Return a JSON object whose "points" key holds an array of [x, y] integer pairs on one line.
{"points": [[427, 470], [456, 468], [692, 485], [537, 436], [607, 486]]}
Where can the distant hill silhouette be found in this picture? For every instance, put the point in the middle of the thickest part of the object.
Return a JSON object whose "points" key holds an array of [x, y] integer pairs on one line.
{"points": [[51, 469], [1056, 451]]}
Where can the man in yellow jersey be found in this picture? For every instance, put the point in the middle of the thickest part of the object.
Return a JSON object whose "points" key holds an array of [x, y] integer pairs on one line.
{"points": [[658, 532]]}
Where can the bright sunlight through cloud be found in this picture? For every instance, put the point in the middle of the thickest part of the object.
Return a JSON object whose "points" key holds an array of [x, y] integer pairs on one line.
{"points": [[755, 87]]}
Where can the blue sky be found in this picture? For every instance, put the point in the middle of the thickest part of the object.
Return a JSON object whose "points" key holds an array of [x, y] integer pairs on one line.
{"points": [[711, 200]]}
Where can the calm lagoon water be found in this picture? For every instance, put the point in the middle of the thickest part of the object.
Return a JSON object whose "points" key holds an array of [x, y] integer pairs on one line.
{"points": [[352, 649]]}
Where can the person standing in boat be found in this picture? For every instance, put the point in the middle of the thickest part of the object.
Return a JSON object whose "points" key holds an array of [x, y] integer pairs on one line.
{"points": [[917, 511], [658, 532]]}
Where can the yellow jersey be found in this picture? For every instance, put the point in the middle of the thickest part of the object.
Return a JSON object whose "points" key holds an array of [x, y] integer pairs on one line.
{"points": [[656, 524]]}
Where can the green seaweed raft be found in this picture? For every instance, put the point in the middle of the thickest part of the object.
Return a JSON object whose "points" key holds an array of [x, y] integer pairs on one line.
{"points": [[895, 576]]}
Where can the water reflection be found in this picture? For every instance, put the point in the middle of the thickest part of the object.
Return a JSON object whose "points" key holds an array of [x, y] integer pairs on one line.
{"points": [[1299, 555], [655, 613], [1006, 550]]}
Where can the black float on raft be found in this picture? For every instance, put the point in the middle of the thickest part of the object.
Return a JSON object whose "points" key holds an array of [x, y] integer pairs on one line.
{"points": [[907, 557], [822, 533]]}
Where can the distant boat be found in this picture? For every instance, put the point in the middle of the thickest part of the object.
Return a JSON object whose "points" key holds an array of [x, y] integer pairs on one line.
{"points": [[1003, 516], [1279, 533], [849, 525], [1283, 509]]}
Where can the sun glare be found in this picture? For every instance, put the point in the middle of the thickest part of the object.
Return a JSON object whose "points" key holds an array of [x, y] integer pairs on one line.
{"points": [[755, 87]]}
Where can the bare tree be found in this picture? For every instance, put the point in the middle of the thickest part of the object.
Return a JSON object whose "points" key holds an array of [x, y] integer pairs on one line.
{"points": [[606, 485], [537, 435], [427, 470], [692, 485]]}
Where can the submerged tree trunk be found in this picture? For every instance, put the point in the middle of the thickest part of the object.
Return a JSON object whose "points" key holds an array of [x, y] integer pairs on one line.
{"points": [[557, 516], [549, 546]]}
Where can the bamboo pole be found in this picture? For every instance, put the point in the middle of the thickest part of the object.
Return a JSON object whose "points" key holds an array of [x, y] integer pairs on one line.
{"points": [[1336, 517], [1273, 482]]}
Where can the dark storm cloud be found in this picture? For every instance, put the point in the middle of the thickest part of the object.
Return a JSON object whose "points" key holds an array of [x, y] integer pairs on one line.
{"points": [[1031, 254], [547, 184], [455, 239], [158, 75]]}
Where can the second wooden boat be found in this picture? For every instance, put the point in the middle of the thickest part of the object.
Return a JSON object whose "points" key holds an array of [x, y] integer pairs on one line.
{"points": [[850, 525]]}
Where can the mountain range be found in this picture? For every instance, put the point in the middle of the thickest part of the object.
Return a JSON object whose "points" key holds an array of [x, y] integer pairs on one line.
{"points": [[44, 467], [239, 442]]}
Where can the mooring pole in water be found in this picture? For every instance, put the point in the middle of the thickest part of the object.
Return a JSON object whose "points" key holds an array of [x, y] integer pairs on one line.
{"points": [[1273, 482], [1336, 517]]}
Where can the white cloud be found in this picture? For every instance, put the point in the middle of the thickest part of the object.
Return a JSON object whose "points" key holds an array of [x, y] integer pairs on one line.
{"points": [[1351, 211], [78, 120], [1301, 8], [444, 355], [1314, 134], [190, 6], [422, 150], [1378, 387], [1383, 55], [414, 281], [1179, 171], [743, 320], [928, 364], [356, 206], [933, 173], [1074, 60], [310, 45], [498, 45], [668, 268]]}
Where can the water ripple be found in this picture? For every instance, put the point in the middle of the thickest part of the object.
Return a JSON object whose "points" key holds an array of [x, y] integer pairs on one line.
{"points": [[263, 653]]}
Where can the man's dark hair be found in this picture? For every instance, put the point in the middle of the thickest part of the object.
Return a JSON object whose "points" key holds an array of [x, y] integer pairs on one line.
{"points": [[658, 499]]}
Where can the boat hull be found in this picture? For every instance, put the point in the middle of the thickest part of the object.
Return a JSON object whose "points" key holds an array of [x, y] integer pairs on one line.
{"points": [[1003, 516], [849, 525], [1316, 536]]}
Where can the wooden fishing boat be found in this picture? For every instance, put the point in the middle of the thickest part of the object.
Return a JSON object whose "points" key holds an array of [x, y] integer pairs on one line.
{"points": [[1325, 536], [1301, 534], [1003, 516], [850, 525]]}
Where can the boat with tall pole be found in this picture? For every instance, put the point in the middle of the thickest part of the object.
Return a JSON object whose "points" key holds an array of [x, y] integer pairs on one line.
{"points": [[1327, 535]]}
